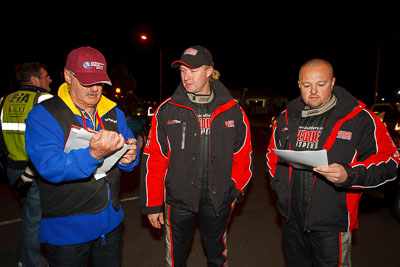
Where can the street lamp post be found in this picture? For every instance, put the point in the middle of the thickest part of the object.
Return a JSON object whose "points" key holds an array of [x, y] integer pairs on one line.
{"points": [[145, 37], [378, 63]]}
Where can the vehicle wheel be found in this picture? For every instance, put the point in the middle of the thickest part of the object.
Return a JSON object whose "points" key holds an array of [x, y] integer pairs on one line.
{"points": [[141, 140], [395, 207]]}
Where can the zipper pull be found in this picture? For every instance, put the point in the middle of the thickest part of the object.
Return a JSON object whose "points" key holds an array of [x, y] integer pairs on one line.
{"points": [[103, 240]]}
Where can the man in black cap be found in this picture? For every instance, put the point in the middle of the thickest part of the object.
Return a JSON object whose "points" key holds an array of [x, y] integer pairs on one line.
{"points": [[197, 161]]}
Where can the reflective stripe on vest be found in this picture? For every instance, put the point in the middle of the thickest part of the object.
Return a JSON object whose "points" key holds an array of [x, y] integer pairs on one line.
{"points": [[13, 127]]}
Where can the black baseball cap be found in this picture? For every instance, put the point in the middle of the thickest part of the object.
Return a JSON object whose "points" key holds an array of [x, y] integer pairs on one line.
{"points": [[194, 57]]}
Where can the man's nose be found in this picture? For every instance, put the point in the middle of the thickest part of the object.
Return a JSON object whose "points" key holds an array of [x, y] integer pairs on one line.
{"points": [[96, 87], [314, 89], [186, 76]]}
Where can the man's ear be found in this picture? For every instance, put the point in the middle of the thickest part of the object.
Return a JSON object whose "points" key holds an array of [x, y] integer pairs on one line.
{"points": [[34, 81], [67, 76], [209, 71]]}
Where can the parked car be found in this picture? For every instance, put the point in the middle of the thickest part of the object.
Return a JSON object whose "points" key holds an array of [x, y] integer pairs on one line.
{"points": [[380, 108], [393, 124], [140, 126], [389, 193]]}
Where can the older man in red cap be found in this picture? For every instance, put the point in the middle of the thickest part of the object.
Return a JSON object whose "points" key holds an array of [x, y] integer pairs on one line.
{"points": [[81, 211]]}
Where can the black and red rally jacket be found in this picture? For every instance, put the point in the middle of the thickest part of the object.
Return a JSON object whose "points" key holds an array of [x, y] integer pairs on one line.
{"points": [[353, 137], [171, 158]]}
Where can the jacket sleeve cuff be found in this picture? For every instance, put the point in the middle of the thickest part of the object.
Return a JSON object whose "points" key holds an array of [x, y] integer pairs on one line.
{"points": [[350, 176], [239, 195], [152, 210], [90, 164]]}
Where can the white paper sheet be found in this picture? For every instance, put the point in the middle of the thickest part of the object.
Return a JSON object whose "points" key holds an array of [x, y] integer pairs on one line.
{"points": [[79, 138], [304, 159]]}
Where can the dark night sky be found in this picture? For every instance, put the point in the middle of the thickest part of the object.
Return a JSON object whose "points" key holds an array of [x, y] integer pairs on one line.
{"points": [[249, 49]]}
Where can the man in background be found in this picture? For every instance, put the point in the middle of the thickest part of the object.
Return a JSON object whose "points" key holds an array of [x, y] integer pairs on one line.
{"points": [[34, 87]]}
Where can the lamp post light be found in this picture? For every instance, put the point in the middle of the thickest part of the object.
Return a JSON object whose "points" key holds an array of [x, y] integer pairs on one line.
{"points": [[146, 38]]}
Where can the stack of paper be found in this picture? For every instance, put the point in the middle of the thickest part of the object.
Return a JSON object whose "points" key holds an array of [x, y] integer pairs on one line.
{"points": [[79, 138]]}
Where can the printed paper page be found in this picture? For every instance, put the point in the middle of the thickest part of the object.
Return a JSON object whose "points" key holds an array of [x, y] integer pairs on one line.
{"points": [[304, 159]]}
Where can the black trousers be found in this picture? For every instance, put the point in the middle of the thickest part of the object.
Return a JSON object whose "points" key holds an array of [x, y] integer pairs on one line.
{"points": [[315, 248], [180, 226], [103, 252]]}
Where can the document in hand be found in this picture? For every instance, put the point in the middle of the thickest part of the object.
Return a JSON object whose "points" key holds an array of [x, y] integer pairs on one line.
{"points": [[79, 138], [304, 159]]}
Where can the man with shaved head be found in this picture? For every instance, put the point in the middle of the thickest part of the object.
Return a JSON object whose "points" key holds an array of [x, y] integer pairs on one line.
{"points": [[319, 205]]}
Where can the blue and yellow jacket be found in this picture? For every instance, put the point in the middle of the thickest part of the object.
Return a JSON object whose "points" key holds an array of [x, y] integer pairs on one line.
{"points": [[45, 140]]}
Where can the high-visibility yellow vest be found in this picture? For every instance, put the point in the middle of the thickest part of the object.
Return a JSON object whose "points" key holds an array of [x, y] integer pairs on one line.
{"points": [[14, 112]]}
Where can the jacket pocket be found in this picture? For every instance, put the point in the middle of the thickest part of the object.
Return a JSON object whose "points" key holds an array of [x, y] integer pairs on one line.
{"points": [[280, 184], [183, 135]]}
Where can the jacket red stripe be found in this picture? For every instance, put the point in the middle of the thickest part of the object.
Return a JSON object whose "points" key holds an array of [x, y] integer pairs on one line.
{"points": [[158, 160], [241, 169]]}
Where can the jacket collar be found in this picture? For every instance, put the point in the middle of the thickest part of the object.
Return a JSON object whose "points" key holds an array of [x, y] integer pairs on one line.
{"points": [[103, 106], [222, 94], [346, 102], [32, 88]]}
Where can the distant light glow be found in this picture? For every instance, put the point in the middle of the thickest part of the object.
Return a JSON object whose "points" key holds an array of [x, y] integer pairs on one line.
{"points": [[143, 37]]}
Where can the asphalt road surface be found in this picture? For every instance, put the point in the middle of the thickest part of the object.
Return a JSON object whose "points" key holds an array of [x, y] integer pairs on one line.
{"points": [[254, 234]]}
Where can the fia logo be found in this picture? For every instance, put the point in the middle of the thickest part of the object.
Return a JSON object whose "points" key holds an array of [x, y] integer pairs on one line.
{"points": [[20, 98]]}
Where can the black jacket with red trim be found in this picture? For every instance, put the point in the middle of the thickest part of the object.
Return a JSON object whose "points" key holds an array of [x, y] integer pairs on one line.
{"points": [[353, 137], [171, 157]]}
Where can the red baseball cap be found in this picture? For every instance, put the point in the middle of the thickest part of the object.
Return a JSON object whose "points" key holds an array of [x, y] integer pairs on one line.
{"points": [[88, 65]]}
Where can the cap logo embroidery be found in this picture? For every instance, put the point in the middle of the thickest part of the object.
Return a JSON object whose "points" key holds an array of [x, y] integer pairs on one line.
{"points": [[190, 51], [97, 65]]}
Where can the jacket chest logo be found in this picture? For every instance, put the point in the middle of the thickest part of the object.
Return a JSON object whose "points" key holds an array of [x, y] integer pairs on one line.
{"points": [[230, 124], [110, 120], [308, 137], [205, 123], [173, 122], [344, 135]]}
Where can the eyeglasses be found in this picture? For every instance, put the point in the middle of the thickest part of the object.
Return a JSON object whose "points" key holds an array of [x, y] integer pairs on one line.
{"points": [[45, 76]]}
